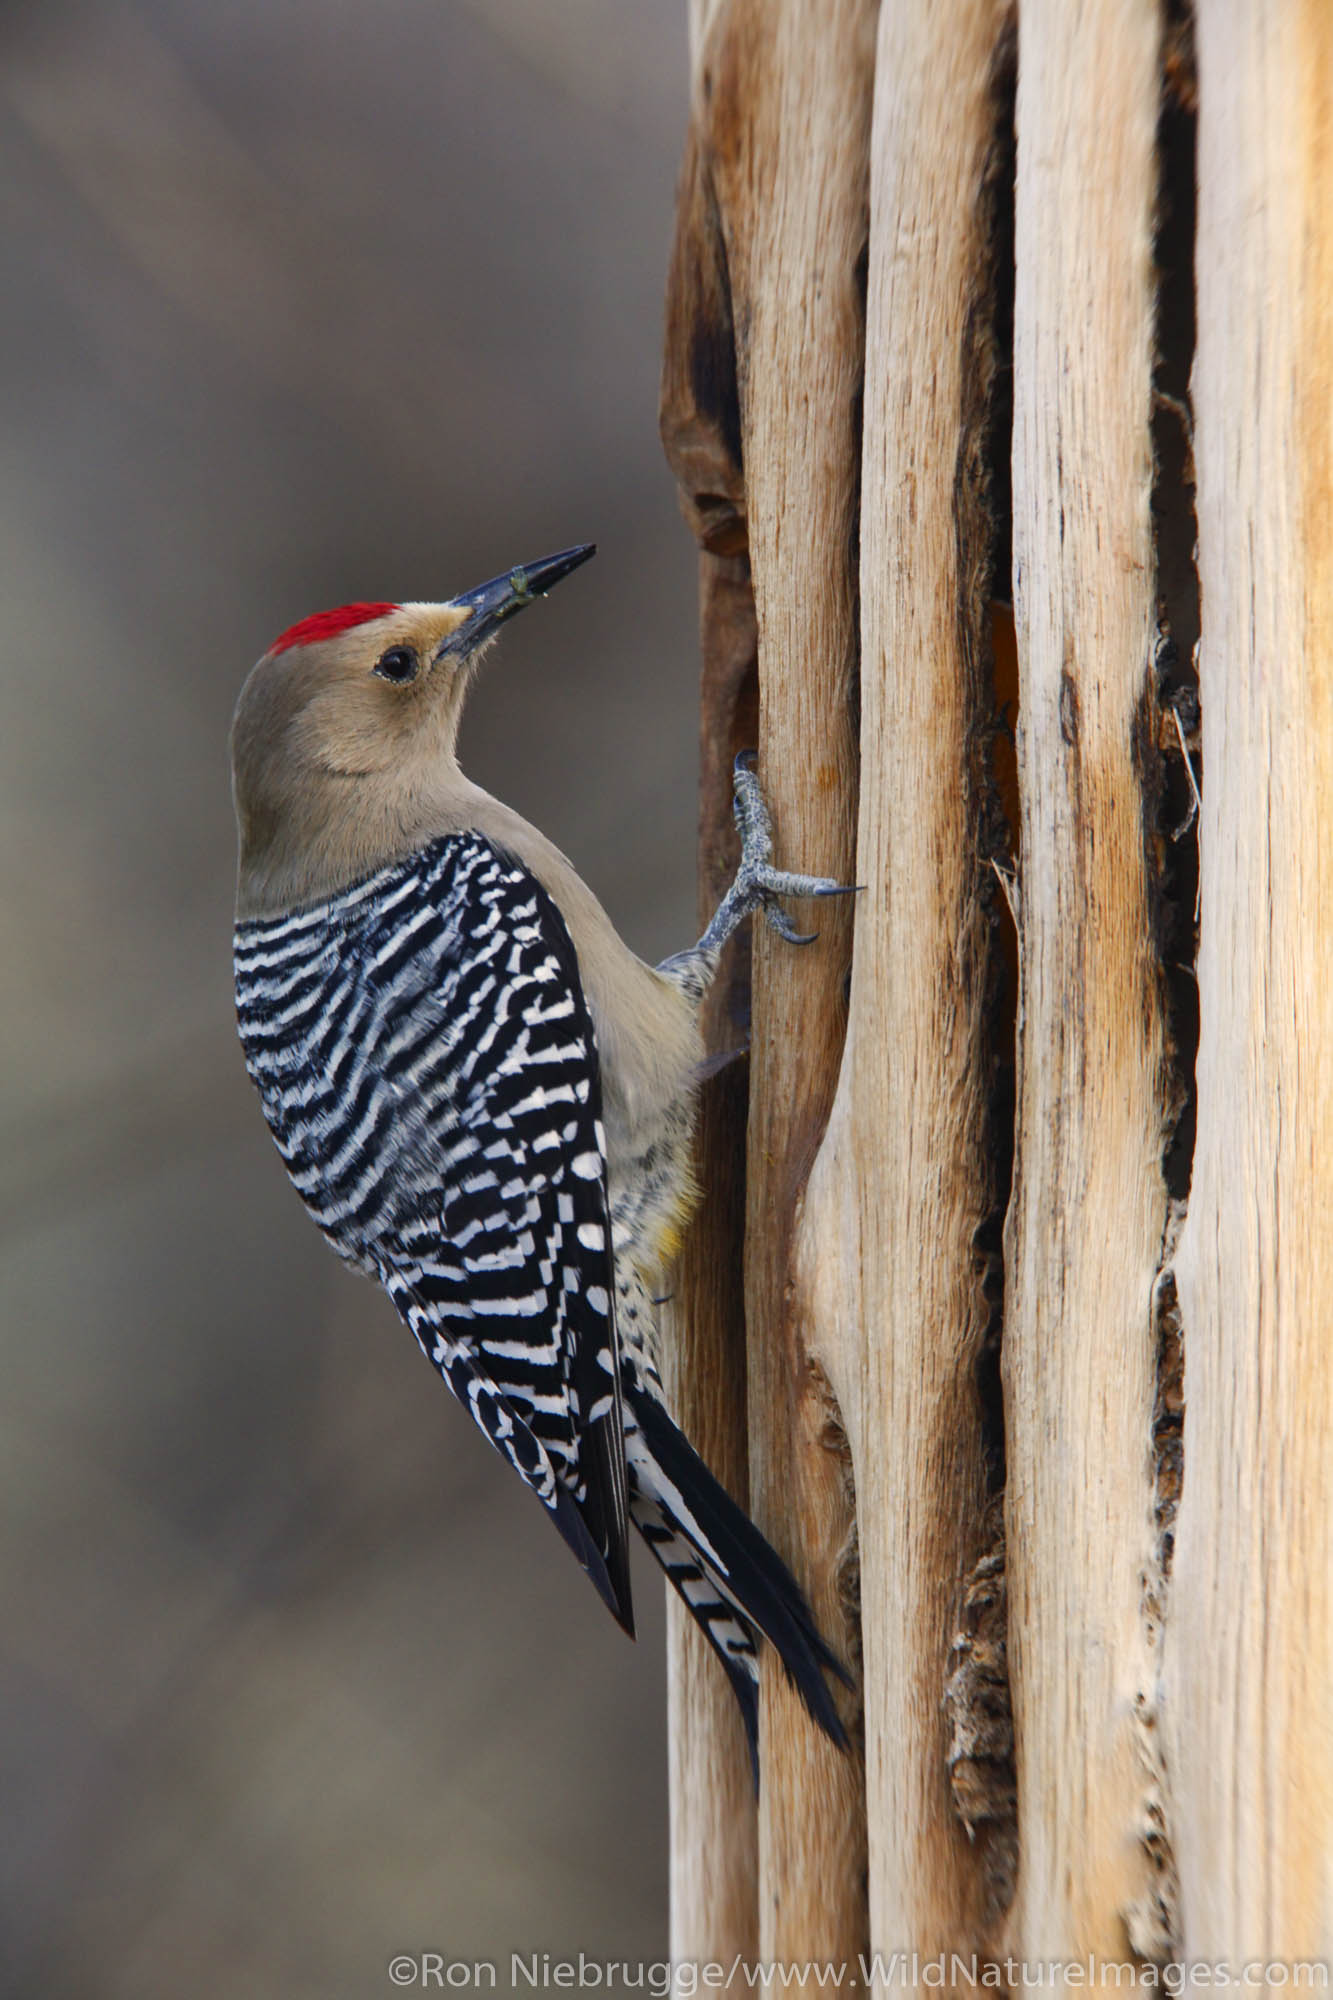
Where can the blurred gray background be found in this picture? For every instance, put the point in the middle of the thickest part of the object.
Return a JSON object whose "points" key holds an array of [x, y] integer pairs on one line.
{"points": [[302, 303]]}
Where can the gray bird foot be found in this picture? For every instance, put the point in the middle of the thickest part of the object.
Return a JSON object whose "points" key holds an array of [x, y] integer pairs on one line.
{"points": [[759, 885]]}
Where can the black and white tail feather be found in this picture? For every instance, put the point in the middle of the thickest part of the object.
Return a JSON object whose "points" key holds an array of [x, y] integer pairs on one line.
{"points": [[735, 1584], [428, 1066]]}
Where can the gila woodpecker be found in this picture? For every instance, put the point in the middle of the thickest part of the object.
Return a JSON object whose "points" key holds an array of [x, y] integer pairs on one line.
{"points": [[485, 1099]]}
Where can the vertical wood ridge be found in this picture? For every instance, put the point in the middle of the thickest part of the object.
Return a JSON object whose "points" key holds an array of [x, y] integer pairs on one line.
{"points": [[905, 1178], [790, 99], [764, 279], [1087, 1216], [1250, 1641], [714, 1821], [714, 1824], [1170, 770]]}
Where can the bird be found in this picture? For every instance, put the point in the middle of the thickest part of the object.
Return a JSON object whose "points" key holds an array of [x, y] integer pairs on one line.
{"points": [[486, 1100]]}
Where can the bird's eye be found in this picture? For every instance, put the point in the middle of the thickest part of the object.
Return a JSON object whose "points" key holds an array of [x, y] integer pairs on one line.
{"points": [[398, 665]]}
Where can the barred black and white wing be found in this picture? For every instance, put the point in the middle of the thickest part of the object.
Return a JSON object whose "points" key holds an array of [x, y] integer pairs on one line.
{"points": [[428, 1067]]}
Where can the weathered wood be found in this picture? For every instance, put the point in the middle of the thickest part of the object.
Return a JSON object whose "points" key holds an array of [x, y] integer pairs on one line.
{"points": [[891, 1280], [1250, 1648], [771, 230], [714, 1825], [1085, 1228], [789, 94], [1174, 1793], [699, 414]]}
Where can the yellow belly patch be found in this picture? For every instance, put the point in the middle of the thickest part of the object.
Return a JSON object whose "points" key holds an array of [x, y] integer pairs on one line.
{"points": [[666, 1234]]}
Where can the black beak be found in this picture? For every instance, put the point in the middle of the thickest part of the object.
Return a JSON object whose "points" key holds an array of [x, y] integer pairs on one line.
{"points": [[491, 603]]}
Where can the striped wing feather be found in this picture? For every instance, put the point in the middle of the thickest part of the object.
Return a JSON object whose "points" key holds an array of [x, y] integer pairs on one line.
{"points": [[428, 1065]]}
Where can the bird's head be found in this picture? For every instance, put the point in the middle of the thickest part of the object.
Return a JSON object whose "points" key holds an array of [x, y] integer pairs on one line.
{"points": [[344, 733]]}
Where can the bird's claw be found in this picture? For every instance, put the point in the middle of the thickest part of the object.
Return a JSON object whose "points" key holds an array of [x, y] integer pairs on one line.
{"points": [[758, 882], [778, 920]]}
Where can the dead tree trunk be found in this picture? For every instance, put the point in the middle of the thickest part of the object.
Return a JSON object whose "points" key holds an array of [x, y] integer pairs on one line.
{"points": [[929, 345]]}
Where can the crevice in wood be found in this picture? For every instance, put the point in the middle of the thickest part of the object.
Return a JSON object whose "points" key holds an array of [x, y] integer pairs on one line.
{"points": [[976, 1692], [1167, 758], [1169, 1404], [984, 527], [699, 407], [1174, 846], [980, 1718], [847, 1567], [1167, 741], [862, 281], [1153, 1920]]}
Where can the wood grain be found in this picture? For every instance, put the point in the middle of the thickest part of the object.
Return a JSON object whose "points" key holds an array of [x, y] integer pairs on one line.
{"points": [[906, 1178], [1085, 1228], [769, 250], [1250, 1661], [790, 97], [1174, 1750], [714, 1824]]}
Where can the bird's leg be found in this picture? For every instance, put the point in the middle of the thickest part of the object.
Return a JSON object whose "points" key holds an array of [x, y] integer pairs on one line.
{"points": [[758, 886]]}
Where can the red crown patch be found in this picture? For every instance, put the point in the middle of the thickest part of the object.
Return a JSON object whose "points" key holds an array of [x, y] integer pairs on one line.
{"points": [[328, 624]]}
